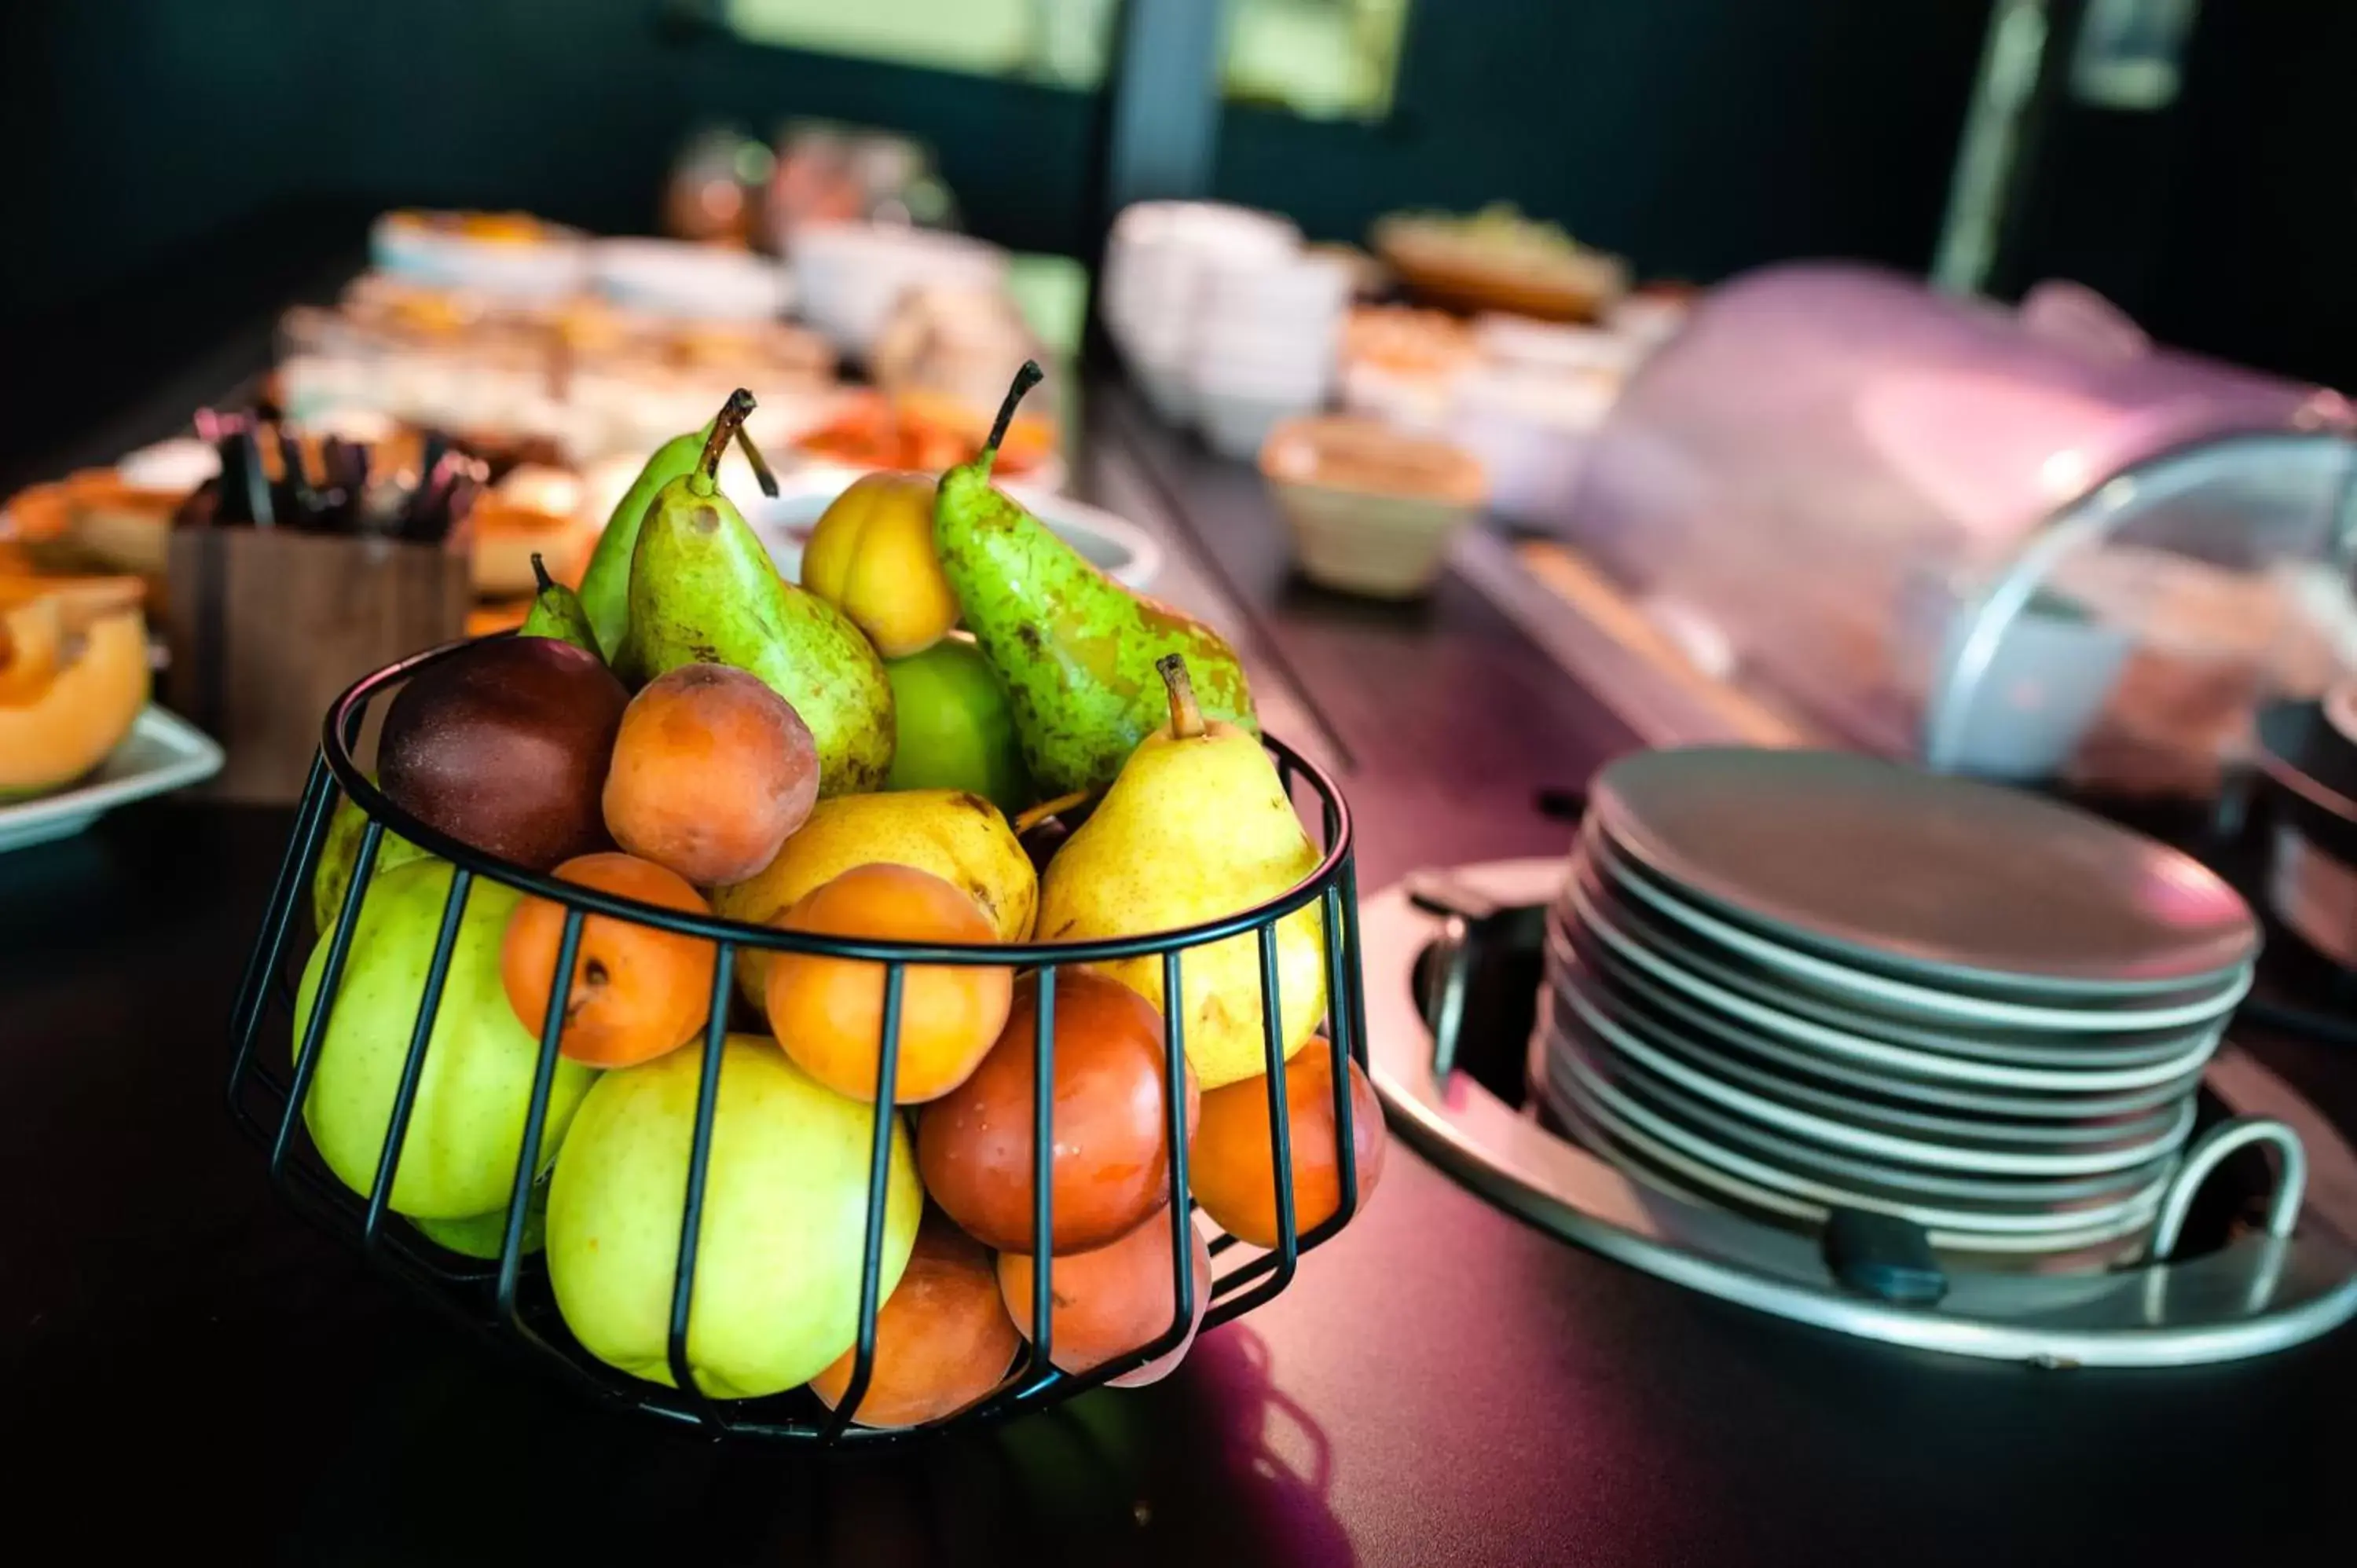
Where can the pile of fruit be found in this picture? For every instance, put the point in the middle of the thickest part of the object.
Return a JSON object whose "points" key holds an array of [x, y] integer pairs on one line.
{"points": [[692, 733]]}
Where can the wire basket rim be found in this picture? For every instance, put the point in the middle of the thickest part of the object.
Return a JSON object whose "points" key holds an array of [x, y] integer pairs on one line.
{"points": [[345, 715]]}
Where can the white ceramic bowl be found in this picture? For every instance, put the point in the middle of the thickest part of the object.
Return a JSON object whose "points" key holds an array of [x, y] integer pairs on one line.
{"points": [[545, 268], [1531, 431], [1121, 550], [1167, 387], [849, 275], [671, 278], [1237, 423], [1372, 509]]}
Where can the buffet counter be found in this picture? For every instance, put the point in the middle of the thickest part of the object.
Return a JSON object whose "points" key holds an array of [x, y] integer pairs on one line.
{"points": [[1441, 1384]]}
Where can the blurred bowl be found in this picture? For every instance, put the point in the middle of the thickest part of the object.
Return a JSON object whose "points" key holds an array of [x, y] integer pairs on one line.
{"points": [[1371, 508], [1120, 549], [1237, 423], [1167, 388], [850, 275], [1531, 432], [507, 255], [672, 277]]}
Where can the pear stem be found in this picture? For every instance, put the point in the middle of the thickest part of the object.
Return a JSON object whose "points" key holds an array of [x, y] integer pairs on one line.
{"points": [[762, 476], [725, 428], [540, 572], [1025, 379], [1026, 821], [1186, 718]]}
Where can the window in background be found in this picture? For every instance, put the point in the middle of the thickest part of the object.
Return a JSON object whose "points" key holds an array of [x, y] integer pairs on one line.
{"points": [[1323, 59], [1060, 41]]}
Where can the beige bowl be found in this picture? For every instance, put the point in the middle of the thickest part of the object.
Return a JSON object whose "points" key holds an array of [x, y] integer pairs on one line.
{"points": [[1372, 508]]}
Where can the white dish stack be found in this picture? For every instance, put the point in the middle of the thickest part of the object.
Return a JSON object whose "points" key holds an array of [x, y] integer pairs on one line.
{"points": [[1793, 982], [1222, 317]]}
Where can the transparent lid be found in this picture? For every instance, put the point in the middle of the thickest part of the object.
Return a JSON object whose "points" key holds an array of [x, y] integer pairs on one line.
{"points": [[1837, 468]]}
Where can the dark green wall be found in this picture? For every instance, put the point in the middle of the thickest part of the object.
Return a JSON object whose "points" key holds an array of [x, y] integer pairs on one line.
{"points": [[1700, 135], [1697, 136], [151, 121]]}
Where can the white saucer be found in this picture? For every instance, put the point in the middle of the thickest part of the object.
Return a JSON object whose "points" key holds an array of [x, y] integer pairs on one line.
{"points": [[1857, 1048], [1882, 993]]}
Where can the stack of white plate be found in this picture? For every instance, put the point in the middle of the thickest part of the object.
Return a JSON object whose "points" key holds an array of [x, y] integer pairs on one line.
{"points": [[1223, 316], [1790, 983]]}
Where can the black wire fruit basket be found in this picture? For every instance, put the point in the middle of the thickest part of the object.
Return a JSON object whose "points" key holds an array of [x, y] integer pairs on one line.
{"points": [[508, 1296]]}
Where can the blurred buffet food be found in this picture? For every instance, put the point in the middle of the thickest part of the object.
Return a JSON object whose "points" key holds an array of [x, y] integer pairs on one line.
{"points": [[1499, 260]]}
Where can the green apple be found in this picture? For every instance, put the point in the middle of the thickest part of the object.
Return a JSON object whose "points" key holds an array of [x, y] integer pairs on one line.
{"points": [[466, 1128], [483, 1235], [785, 1209], [340, 851], [955, 729]]}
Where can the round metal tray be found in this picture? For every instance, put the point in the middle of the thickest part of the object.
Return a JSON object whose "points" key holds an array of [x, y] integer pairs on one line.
{"points": [[2261, 1292]]}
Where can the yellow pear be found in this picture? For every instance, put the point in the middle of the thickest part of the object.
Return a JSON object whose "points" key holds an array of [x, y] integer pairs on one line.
{"points": [[1195, 827], [958, 836]]}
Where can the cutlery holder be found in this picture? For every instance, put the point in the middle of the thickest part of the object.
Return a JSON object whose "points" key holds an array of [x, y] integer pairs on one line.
{"points": [[266, 626]]}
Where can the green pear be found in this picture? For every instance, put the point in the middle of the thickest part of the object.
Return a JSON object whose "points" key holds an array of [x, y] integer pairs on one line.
{"points": [[1197, 826], [703, 591], [556, 612], [466, 1127], [1076, 650], [785, 1213], [605, 584], [339, 851], [953, 727]]}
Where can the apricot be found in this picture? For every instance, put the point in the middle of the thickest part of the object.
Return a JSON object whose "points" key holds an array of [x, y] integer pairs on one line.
{"points": [[636, 992], [871, 556], [1109, 1302], [712, 771], [1233, 1167], [1111, 1167], [942, 1340], [828, 1012]]}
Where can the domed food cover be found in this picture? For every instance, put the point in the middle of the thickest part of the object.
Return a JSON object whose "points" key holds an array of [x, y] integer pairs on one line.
{"points": [[2020, 542]]}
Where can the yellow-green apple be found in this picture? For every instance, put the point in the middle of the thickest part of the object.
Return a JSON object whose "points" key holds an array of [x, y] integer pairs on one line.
{"points": [[466, 1129], [340, 852], [955, 729], [483, 1235], [785, 1201]]}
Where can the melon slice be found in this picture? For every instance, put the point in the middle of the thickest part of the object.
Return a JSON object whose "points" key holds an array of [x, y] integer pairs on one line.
{"points": [[73, 677]]}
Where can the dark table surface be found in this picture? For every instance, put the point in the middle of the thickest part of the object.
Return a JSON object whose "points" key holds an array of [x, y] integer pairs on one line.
{"points": [[1442, 1385]]}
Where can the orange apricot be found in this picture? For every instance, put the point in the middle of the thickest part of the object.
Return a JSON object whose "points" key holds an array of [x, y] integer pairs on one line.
{"points": [[1110, 1167], [828, 1012], [636, 992], [712, 771], [1232, 1167], [942, 1339], [1109, 1302]]}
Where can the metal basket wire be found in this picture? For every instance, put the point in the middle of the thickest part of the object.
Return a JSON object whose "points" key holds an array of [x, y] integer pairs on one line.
{"points": [[509, 1298]]}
